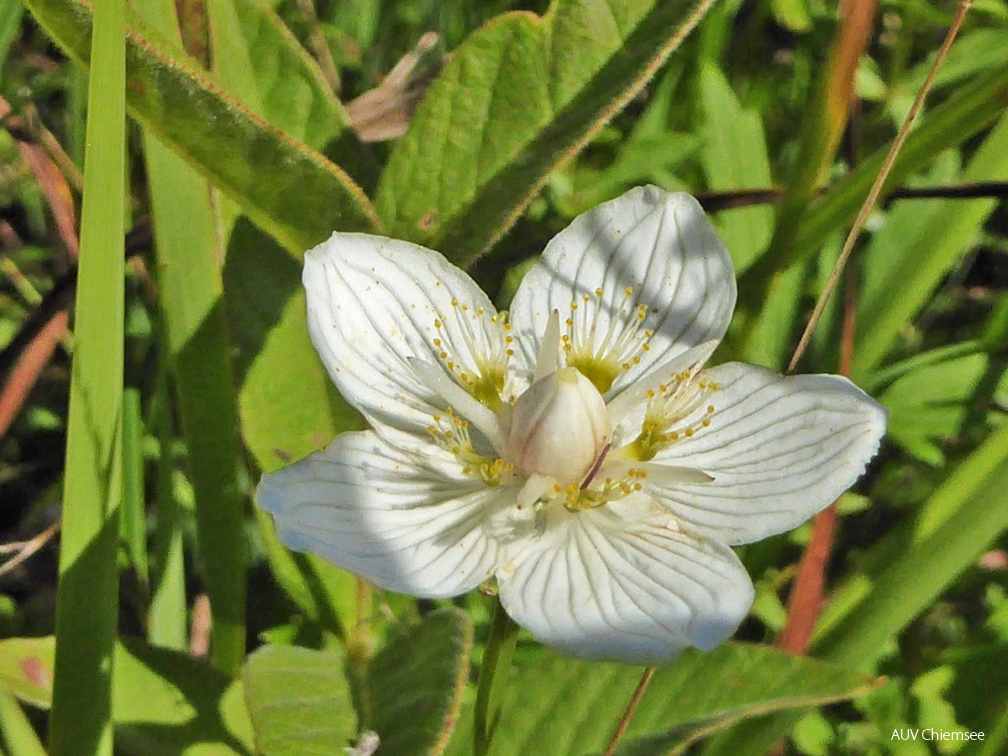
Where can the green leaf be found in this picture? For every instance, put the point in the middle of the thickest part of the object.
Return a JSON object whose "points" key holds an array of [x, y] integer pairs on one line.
{"points": [[792, 14], [929, 404], [199, 355], [300, 701], [26, 669], [519, 97], [288, 189], [87, 599], [950, 532], [325, 594], [163, 702], [415, 684], [734, 156], [556, 704], [973, 107], [133, 514], [940, 240], [17, 736], [288, 405], [258, 60], [167, 703]]}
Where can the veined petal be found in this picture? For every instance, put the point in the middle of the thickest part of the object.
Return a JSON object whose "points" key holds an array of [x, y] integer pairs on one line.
{"points": [[646, 262], [407, 523], [623, 582], [374, 303], [779, 449]]}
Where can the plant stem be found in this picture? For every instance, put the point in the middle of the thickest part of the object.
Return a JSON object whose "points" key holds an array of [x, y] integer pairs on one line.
{"points": [[493, 674]]}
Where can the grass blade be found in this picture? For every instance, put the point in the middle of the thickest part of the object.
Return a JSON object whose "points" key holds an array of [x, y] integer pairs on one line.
{"points": [[167, 618], [17, 737], [192, 305], [133, 515], [88, 592]]}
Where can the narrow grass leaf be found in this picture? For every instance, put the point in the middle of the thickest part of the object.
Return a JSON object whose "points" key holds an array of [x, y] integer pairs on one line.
{"points": [[734, 156], [88, 590], [928, 405], [17, 736], [192, 305], [943, 237], [167, 616], [133, 515], [951, 531], [971, 109], [326, 595]]}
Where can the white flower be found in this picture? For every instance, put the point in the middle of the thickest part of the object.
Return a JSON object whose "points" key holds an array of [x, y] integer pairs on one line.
{"points": [[576, 450]]}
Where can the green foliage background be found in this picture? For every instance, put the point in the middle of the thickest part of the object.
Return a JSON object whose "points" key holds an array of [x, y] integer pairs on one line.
{"points": [[241, 152]]}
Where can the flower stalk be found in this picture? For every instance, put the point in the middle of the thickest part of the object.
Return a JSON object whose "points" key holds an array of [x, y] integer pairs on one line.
{"points": [[492, 678]]}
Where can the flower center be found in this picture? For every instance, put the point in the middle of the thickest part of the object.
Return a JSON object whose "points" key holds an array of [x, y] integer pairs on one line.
{"points": [[602, 355], [487, 341], [676, 410], [558, 428], [451, 433]]}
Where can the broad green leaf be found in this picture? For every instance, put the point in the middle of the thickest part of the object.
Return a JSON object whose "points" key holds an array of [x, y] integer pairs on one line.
{"points": [[288, 189], [929, 404], [166, 703], [942, 238], [556, 704], [288, 405], [26, 669], [734, 156], [519, 97], [163, 702], [415, 684], [299, 700], [259, 62]]}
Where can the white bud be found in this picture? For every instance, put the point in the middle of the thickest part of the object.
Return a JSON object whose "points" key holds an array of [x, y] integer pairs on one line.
{"points": [[559, 427]]}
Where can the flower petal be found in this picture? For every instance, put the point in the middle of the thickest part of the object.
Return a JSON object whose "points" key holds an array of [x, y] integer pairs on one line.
{"points": [[623, 582], [659, 244], [373, 303], [408, 524], [779, 449]]}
